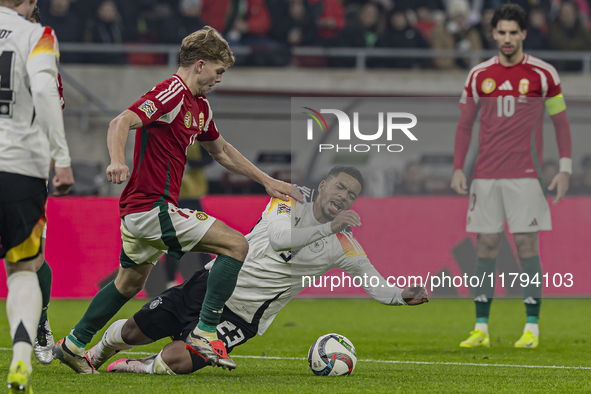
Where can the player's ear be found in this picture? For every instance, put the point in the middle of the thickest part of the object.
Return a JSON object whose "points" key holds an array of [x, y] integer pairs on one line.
{"points": [[321, 185], [523, 34], [199, 66]]}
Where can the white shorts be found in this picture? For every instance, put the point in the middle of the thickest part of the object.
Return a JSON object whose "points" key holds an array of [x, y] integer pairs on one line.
{"points": [[146, 236], [520, 201]]}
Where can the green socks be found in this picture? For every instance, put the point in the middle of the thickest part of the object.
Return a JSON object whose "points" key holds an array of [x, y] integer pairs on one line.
{"points": [[532, 294], [220, 286], [105, 304], [483, 295], [45, 278]]}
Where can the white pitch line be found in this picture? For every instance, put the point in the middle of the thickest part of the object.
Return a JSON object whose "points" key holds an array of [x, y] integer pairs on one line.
{"points": [[386, 361]]}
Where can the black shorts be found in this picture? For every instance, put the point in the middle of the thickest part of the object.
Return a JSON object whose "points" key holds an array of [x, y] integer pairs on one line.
{"points": [[175, 313], [22, 216]]}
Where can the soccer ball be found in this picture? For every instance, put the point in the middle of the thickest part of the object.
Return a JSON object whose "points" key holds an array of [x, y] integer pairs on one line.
{"points": [[332, 355]]}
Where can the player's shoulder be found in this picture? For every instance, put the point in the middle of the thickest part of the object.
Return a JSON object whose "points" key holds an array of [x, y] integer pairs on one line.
{"points": [[537, 63], [482, 67], [349, 244]]}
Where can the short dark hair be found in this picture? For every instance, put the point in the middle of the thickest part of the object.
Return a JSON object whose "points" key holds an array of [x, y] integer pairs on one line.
{"points": [[354, 172], [510, 12], [36, 15]]}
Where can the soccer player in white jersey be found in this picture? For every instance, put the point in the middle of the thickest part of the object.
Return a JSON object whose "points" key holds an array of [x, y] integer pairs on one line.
{"points": [[290, 241], [510, 91], [44, 341], [31, 131]]}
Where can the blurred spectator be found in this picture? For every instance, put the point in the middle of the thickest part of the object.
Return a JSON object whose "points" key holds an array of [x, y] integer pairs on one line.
{"points": [[292, 22], [67, 25], [413, 181], [485, 29], [361, 32], [160, 24], [249, 19], [106, 27], [237, 18], [331, 19], [549, 171], [425, 22], [568, 33], [400, 34], [455, 33], [537, 30], [190, 11]]}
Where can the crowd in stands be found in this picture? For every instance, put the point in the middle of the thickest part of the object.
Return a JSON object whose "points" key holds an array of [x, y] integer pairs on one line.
{"points": [[272, 27]]}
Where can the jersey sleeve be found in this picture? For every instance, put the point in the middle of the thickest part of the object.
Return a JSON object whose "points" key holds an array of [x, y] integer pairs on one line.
{"points": [[210, 130], [469, 109], [356, 264], [162, 103], [283, 235], [44, 54]]}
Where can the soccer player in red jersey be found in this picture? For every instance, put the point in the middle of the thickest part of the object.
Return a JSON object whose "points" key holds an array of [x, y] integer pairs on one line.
{"points": [[170, 118], [511, 91]]}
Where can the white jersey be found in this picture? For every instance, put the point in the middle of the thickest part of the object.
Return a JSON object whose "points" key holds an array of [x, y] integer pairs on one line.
{"points": [[269, 279], [31, 123]]}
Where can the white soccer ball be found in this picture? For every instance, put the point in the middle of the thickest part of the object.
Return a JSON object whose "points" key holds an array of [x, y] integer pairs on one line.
{"points": [[332, 355]]}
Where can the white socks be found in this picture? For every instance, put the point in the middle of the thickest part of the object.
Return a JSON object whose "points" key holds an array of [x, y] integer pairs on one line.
{"points": [[533, 327], [482, 327], [23, 309], [112, 337], [158, 367]]}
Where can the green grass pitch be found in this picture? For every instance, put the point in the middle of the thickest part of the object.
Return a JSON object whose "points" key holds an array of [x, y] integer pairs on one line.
{"points": [[428, 333]]}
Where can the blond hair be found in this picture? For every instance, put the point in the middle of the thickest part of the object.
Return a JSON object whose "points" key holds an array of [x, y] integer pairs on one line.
{"points": [[205, 44]]}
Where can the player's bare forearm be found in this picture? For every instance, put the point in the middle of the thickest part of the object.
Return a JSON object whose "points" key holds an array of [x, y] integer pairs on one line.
{"points": [[117, 171], [118, 133]]}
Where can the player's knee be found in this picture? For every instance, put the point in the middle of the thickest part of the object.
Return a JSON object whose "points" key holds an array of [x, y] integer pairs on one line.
{"points": [[527, 245], [488, 246], [238, 247]]}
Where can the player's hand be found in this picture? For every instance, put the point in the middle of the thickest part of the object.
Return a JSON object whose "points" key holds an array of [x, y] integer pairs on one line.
{"points": [[283, 190], [117, 173], [343, 220], [560, 182], [415, 295], [63, 180], [459, 183]]}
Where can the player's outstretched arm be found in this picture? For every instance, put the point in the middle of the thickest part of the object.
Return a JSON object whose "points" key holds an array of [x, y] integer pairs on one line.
{"points": [[117, 171], [225, 154], [415, 295]]}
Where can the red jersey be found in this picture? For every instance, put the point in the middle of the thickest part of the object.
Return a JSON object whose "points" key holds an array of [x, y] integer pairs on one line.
{"points": [[511, 102], [172, 120]]}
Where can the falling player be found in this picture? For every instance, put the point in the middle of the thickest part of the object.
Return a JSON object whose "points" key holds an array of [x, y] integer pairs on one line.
{"points": [[31, 131], [170, 118], [511, 90], [290, 242]]}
